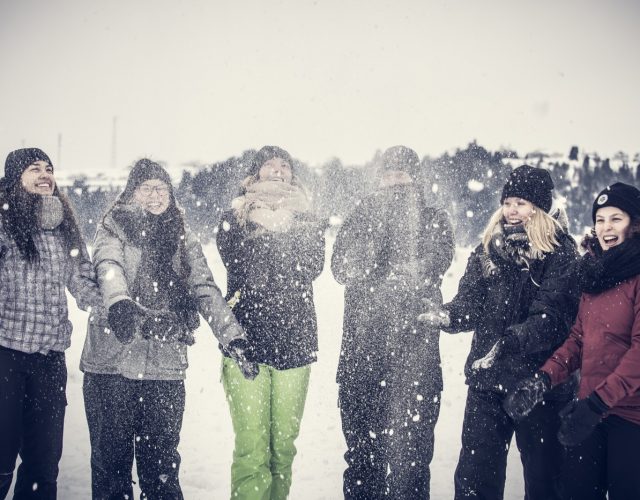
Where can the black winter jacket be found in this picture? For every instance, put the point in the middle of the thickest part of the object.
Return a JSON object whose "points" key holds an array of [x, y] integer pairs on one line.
{"points": [[539, 302], [391, 253], [274, 273]]}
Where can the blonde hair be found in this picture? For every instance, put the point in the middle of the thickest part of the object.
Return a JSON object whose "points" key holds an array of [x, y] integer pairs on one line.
{"points": [[541, 230]]}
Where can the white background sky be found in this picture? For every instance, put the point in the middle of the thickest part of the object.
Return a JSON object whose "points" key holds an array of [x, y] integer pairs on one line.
{"points": [[202, 80]]}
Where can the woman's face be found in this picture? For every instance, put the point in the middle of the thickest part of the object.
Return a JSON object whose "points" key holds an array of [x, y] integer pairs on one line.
{"points": [[612, 226], [153, 195], [38, 178], [517, 211], [275, 169]]}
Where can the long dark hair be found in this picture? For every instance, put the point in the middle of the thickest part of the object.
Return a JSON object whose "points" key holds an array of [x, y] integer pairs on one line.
{"points": [[20, 213]]}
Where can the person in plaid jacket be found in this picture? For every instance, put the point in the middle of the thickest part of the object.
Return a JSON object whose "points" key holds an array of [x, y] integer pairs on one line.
{"points": [[42, 255]]}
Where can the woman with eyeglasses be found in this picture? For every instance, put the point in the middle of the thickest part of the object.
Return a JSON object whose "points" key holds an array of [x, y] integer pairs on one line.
{"points": [[155, 282]]}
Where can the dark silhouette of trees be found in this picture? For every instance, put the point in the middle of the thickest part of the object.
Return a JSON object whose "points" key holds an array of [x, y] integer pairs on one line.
{"points": [[467, 183]]}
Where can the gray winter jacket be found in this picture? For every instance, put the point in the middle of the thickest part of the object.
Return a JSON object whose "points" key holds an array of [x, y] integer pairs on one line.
{"points": [[116, 262]]}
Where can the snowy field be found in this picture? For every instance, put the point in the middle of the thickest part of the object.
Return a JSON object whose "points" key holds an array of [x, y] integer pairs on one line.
{"points": [[207, 438]]}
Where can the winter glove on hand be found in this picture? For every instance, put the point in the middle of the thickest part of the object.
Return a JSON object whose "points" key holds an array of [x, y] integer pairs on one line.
{"points": [[237, 350], [579, 418], [122, 318], [527, 393], [434, 315]]}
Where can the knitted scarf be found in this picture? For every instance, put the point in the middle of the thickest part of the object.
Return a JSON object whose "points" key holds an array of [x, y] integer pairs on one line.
{"points": [[509, 244], [157, 284], [273, 206]]}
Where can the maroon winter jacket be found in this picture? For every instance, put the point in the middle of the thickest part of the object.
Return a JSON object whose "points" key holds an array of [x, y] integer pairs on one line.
{"points": [[604, 344]]}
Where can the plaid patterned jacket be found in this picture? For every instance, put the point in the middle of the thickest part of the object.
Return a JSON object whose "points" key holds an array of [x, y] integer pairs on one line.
{"points": [[33, 300]]}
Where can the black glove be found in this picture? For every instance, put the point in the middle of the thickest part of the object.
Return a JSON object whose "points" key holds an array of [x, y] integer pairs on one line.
{"points": [[122, 318], [237, 351], [527, 393], [579, 418]]}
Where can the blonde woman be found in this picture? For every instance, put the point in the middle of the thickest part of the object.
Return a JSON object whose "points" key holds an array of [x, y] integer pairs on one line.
{"points": [[515, 295]]}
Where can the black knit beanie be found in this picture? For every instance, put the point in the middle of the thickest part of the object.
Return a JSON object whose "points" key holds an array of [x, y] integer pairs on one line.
{"points": [[145, 170], [265, 154], [619, 195], [401, 158], [17, 162], [530, 183]]}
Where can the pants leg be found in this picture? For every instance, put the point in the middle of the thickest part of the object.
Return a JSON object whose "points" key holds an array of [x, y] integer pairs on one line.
{"points": [[288, 395], [586, 470], [108, 402], [542, 455], [410, 446], [623, 458], [363, 415], [249, 405], [43, 423], [13, 376], [486, 433], [160, 410]]}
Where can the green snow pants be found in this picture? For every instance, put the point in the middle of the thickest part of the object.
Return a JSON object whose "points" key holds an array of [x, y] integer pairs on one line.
{"points": [[266, 414]]}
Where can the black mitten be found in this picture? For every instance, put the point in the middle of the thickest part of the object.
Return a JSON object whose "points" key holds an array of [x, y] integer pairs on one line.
{"points": [[579, 419], [122, 318], [237, 349], [526, 395]]}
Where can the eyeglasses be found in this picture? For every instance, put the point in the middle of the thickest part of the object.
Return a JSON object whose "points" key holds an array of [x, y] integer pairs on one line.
{"points": [[145, 190]]}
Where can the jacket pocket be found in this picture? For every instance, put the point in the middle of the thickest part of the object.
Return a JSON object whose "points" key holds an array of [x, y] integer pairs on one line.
{"points": [[168, 358], [612, 351], [102, 351]]}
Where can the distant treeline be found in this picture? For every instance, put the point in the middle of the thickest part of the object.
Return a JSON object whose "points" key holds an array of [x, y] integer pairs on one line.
{"points": [[468, 184]]}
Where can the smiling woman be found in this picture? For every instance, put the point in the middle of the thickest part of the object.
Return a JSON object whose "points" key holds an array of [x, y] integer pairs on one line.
{"points": [[152, 196], [521, 274], [41, 256], [38, 178], [156, 282], [601, 428], [272, 245]]}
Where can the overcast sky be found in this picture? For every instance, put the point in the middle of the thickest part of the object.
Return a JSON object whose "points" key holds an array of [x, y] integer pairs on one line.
{"points": [[202, 80]]}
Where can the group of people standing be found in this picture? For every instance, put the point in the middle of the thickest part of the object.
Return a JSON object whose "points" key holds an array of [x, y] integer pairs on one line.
{"points": [[555, 355]]}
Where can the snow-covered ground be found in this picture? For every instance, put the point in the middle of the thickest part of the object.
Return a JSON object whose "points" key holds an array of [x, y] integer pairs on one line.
{"points": [[207, 438]]}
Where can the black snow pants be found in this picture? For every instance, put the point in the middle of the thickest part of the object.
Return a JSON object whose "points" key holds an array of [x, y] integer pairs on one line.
{"points": [[389, 439], [134, 418], [608, 460], [486, 437], [32, 408]]}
